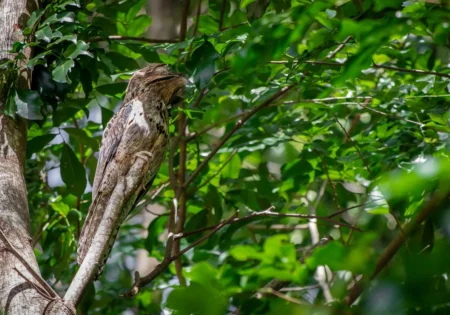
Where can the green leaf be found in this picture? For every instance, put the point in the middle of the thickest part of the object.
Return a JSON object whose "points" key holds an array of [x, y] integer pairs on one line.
{"points": [[82, 137], [72, 172], [60, 72], [202, 64], [207, 24], [38, 143], [191, 300], [150, 54], [74, 50], [233, 168], [139, 25], [61, 208], [69, 108], [44, 34], [28, 104], [439, 119]]}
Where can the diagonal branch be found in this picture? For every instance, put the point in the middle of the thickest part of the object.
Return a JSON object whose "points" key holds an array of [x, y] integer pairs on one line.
{"points": [[142, 282], [131, 38], [201, 132], [270, 213], [194, 190], [238, 125], [389, 252], [45, 286]]}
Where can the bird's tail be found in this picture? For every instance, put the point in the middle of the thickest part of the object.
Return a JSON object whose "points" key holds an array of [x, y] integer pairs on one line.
{"points": [[89, 229]]}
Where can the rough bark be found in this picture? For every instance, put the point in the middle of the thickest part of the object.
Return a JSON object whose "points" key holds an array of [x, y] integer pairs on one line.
{"points": [[20, 289]]}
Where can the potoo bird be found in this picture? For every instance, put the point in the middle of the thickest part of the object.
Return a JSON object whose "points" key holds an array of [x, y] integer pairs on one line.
{"points": [[138, 130]]}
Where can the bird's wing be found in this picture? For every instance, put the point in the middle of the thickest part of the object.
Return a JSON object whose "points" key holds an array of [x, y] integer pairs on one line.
{"points": [[112, 137], [119, 134]]}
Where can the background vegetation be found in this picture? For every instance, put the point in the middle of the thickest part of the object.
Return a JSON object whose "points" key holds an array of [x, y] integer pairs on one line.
{"points": [[310, 119]]}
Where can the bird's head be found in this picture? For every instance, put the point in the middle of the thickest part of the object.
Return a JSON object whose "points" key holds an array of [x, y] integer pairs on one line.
{"points": [[155, 80]]}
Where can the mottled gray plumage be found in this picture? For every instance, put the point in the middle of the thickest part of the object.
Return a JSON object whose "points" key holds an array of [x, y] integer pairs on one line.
{"points": [[138, 130]]}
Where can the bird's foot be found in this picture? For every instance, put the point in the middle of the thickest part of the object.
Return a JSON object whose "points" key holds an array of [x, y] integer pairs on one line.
{"points": [[145, 155]]}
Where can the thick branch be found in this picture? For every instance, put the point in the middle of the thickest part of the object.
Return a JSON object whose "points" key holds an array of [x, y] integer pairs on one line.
{"points": [[123, 191]]}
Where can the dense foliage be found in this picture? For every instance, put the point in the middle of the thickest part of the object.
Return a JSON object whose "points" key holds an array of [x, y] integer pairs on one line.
{"points": [[344, 105]]}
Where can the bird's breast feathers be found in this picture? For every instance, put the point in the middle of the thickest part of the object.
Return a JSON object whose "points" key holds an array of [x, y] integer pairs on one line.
{"points": [[137, 117]]}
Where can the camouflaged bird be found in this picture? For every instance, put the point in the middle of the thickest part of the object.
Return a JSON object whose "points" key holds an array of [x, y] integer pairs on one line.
{"points": [[139, 129]]}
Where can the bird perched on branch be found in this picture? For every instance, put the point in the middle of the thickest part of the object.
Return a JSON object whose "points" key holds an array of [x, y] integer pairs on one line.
{"points": [[138, 130]]}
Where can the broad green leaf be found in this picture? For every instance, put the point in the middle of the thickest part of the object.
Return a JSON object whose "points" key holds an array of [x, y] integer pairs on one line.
{"points": [[202, 64], [82, 137], [74, 50], [72, 172], [28, 104], [60, 72], [38, 143]]}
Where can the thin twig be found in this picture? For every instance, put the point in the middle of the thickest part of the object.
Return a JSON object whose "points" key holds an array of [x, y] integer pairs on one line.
{"points": [[194, 190], [353, 207], [398, 69], [308, 287], [365, 106], [339, 48], [172, 177], [197, 14], [333, 187], [203, 131], [131, 38], [38, 289], [238, 125], [356, 147], [281, 295], [415, 71], [269, 213], [184, 17], [142, 282], [222, 14]]}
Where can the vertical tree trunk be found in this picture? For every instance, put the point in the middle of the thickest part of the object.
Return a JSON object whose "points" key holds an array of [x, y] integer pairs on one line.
{"points": [[165, 18], [18, 294]]}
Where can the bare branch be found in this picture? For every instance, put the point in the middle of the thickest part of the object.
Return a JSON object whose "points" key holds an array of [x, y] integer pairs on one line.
{"points": [[184, 17], [269, 213], [339, 48], [197, 14], [222, 14]]}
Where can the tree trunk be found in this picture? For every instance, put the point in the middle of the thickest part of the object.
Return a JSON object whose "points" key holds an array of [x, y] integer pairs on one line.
{"points": [[165, 19], [18, 286]]}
